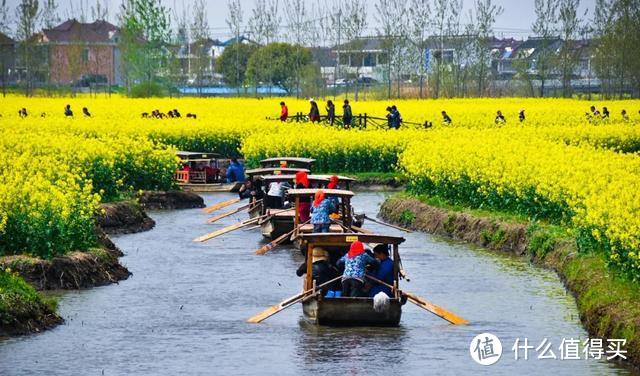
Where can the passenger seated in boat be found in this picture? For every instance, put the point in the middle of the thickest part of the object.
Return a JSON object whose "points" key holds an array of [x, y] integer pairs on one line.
{"points": [[212, 174], [355, 263], [333, 184], [322, 270], [302, 182], [320, 211], [275, 195], [384, 272], [235, 172], [252, 191]]}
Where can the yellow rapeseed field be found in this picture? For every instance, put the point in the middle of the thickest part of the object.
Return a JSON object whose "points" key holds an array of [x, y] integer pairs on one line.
{"points": [[557, 165]]}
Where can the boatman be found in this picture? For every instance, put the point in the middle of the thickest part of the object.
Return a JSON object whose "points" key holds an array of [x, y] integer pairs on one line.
{"points": [[235, 172], [384, 272]]}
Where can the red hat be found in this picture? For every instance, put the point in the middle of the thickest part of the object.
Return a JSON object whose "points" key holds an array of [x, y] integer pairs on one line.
{"points": [[357, 248], [333, 182], [319, 196], [302, 178]]}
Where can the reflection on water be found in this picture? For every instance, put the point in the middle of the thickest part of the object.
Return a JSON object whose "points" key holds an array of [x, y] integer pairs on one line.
{"points": [[353, 350], [184, 309]]}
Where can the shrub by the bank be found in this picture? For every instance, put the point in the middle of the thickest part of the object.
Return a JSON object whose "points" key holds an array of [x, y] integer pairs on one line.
{"points": [[22, 309]]}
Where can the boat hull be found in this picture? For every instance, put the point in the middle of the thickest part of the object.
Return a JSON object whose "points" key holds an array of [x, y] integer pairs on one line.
{"points": [[275, 227], [350, 312], [203, 188]]}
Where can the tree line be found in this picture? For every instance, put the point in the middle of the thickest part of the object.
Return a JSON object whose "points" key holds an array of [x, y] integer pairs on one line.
{"points": [[286, 31]]}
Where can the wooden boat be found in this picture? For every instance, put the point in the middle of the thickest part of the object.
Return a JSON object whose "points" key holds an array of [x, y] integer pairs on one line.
{"points": [[295, 162], [196, 179], [322, 310], [256, 172]]}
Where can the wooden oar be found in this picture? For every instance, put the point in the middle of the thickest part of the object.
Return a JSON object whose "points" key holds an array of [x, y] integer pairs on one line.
{"points": [[228, 214], [220, 205], [388, 225], [286, 304], [234, 227], [425, 304], [279, 240], [225, 230]]}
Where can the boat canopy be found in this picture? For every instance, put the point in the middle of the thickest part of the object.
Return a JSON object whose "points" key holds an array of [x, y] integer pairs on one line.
{"points": [[293, 161], [312, 191], [287, 178], [274, 171], [332, 239], [190, 156]]}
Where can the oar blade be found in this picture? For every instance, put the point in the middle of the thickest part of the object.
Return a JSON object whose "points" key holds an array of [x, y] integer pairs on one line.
{"points": [[227, 214], [436, 310], [260, 317], [273, 244], [217, 233], [220, 205]]}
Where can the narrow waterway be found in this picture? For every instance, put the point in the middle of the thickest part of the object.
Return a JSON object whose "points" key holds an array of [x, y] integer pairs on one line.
{"points": [[184, 309]]}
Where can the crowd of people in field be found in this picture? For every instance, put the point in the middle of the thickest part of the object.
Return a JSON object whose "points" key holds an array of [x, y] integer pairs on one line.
{"points": [[395, 121]]}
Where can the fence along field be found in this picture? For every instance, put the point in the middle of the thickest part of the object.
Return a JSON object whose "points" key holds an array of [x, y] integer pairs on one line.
{"points": [[556, 166]]}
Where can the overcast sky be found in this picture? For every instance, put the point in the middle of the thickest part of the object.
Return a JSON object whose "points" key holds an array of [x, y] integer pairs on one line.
{"points": [[515, 21]]}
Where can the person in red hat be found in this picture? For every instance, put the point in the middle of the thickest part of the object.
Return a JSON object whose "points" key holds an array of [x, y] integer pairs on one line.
{"points": [[304, 210], [355, 263]]}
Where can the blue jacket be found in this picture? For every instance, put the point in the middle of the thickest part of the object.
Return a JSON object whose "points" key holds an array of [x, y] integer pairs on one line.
{"points": [[355, 267], [320, 214], [385, 274], [235, 173]]}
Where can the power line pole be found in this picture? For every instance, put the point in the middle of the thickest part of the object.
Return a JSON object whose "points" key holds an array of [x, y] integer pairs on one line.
{"points": [[337, 71]]}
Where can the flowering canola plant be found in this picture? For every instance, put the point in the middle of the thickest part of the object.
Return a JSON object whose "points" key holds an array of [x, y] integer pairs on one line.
{"points": [[557, 164]]}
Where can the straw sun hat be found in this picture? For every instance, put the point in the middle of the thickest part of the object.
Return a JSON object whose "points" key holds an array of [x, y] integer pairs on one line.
{"points": [[319, 254]]}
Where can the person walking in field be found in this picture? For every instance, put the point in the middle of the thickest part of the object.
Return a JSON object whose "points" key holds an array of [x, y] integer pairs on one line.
{"points": [[85, 112], [521, 116], [67, 111], [284, 112], [347, 114], [446, 120], [314, 112], [331, 112], [625, 117], [605, 113], [500, 119]]}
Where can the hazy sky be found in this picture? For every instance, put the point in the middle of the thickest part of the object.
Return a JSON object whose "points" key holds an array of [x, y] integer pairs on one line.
{"points": [[515, 21]]}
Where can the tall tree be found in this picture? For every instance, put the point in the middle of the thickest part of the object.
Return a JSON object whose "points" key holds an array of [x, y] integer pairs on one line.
{"points": [[544, 28], [420, 29], [392, 31], [202, 62], [296, 15], [264, 23], [100, 11], [226, 64], [486, 14], [234, 21], [273, 63], [145, 33], [355, 25], [5, 26], [50, 17], [27, 16], [443, 11], [569, 29]]}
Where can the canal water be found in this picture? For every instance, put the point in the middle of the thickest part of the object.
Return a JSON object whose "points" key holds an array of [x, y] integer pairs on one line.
{"points": [[184, 309]]}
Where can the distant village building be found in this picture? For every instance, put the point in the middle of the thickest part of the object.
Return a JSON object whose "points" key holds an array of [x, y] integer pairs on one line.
{"points": [[83, 53], [199, 58], [7, 59]]}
